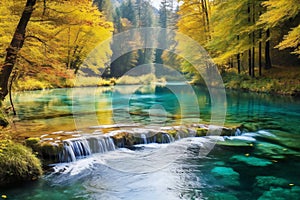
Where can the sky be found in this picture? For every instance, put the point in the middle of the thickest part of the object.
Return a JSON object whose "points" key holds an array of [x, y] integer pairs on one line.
{"points": [[156, 3]]}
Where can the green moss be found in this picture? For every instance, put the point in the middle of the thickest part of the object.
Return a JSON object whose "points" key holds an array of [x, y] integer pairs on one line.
{"points": [[173, 133], [200, 132], [32, 142], [49, 150], [17, 163]]}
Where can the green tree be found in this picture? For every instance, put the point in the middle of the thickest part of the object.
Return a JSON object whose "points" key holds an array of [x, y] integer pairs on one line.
{"points": [[124, 19]]}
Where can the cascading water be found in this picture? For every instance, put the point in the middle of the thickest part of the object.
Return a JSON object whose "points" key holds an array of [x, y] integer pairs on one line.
{"points": [[166, 138], [144, 138], [84, 146], [77, 148]]}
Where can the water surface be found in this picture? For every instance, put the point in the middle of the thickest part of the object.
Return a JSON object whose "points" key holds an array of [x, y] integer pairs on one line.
{"points": [[226, 173]]}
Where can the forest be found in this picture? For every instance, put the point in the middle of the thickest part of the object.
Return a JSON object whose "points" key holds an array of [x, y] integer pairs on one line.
{"points": [[256, 46], [103, 90]]}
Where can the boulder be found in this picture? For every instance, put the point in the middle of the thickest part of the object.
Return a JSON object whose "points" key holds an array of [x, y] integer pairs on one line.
{"points": [[17, 164]]}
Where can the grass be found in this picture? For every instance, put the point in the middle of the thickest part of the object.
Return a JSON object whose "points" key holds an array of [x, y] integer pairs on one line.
{"points": [[139, 80], [278, 80], [17, 163], [32, 84]]}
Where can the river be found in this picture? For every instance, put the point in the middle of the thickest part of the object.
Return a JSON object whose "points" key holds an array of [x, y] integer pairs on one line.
{"points": [[263, 164]]}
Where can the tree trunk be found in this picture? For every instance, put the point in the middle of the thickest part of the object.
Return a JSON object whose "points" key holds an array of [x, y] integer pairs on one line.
{"points": [[238, 57], [14, 47], [259, 53], [253, 62], [206, 13], [249, 51], [268, 64], [253, 41]]}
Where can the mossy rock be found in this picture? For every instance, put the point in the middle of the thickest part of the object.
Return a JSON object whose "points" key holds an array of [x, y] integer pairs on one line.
{"points": [[173, 133], [17, 164], [49, 150], [201, 132], [32, 142], [124, 139]]}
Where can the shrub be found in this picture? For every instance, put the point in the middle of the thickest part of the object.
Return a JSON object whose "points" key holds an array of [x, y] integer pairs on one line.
{"points": [[32, 84], [17, 163]]}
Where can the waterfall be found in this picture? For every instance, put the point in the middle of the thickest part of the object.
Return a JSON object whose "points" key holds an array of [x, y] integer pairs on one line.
{"points": [[83, 146], [238, 132], [77, 148], [144, 138], [166, 138]]}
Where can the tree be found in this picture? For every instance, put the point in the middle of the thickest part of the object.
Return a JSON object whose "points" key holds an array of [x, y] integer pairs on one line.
{"points": [[277, 13], [194, 21], [144, 18], [106, 7], [57, 40], [124, 19], [14, 47]]}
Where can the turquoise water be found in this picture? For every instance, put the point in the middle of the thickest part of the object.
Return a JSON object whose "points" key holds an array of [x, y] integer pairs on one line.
{"points": [[264, 166]]}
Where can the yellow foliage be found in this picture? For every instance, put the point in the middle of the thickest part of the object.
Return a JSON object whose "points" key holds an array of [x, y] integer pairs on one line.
{"points": [[57, 38], [279, 11], [292, 40]]}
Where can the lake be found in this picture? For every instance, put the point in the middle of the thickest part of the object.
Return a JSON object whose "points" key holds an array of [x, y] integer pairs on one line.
{"points": [[260, 163]]}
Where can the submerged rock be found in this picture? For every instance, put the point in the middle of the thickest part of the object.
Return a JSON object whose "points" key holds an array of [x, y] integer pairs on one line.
{"points": [[223, 196], [266, 182], [238, 141], [273, 151], [252, 161], [277, 193], [227, 176]]}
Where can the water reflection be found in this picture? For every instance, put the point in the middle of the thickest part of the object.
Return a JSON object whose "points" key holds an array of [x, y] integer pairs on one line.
{"points": [[68, 109]]}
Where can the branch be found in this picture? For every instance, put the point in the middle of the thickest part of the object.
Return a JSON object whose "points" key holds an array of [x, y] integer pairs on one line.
{"points": [[45, 7], [37, 38], [62, 12], [28, 61]]}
